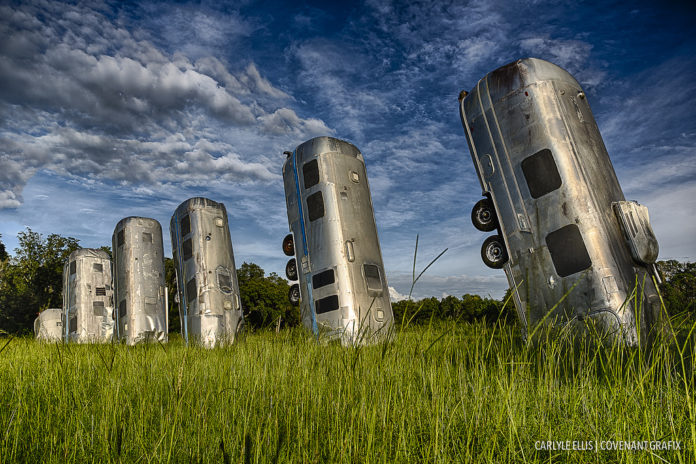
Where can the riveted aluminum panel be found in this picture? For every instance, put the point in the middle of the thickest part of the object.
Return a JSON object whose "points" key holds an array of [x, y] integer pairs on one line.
{"points": [[88, 297], [340, 235], [211, 311], [540, 157], [48, 326], [139, 289]]}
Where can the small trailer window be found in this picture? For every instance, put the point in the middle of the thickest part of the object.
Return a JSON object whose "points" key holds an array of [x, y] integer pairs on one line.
{"points": [[330, 303], [100, 291], [568, 251], [323, 278], [315, 206], [120, 238], [541, 173], [122, 309], [310, 173], [188, 249], [73, 267], [147, 237], [73, 324], [224, 279], [185, 226], [98, 308], [372, 278], [97, 267], [191, 290]]}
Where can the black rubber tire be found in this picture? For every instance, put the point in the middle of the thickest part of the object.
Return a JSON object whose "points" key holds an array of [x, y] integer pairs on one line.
{"points": [[294, 294], [289, 245], [493, 252], [291, 269], [483, 216]]}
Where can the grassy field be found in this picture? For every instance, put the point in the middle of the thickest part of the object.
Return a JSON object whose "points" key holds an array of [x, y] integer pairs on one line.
{"points": [[443, 393]]}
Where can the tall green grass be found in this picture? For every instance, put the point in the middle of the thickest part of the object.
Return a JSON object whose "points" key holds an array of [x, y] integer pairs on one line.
{"points": [[438, 393]]}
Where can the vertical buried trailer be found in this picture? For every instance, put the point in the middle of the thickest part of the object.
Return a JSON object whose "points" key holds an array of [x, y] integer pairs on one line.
{"points": [[88, 297], [342, 287], [209, 302], [48, 326], [564, 232], [140, 296]]}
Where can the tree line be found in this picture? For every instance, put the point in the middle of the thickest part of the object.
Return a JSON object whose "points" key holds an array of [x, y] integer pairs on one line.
{"points": [[32, 281]]}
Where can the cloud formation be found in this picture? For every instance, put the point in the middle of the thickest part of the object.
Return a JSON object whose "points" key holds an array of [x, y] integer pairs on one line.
{"points": [[87, 98]]}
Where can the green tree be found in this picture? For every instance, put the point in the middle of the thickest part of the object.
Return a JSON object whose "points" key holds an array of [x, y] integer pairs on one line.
{"points": [[170, 282], [265, 299], [3, 252], [32, 280], [679, 286]]}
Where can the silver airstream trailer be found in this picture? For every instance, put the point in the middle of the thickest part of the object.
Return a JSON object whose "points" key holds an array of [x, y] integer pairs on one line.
{"points": [[210, 307], [48, 326], [337, 258], [140, 296], [88, 297], [563, 227]]}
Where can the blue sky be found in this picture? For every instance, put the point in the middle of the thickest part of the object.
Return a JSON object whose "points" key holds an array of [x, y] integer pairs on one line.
{"points": [[110, 110]]}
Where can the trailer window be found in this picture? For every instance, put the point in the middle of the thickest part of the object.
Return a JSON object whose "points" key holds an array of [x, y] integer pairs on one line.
{"points": [[323, 278], [97, 267], [100, 291], [315, 206], [185, 226], [224, 278], [188, 249], [310, 173], [373, 279], [73, 267], [147, 237], [98, 308], [567, 250], [191, 290], [541, 173], [122, 309], [73, 324], [330, 303], [120, 238]]}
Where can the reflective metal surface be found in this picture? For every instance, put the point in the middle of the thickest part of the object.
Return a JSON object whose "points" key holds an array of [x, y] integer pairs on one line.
{"points": [[139, 291], [88, 297], [540, 158], [211, 312], [48, 326], [343, 285]]}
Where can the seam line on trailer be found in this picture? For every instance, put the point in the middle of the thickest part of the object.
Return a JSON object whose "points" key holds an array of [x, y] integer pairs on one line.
{"points": [[183, 276]]}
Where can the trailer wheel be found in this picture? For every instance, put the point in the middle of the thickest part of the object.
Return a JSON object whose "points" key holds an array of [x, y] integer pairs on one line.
{"points": [[294, 295], [288, 245], [493, 252], [483, 216], [291, 269]]}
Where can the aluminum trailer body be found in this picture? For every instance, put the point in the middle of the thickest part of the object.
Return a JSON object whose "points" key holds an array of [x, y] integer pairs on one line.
{"points": [[342, 282], [48, 326], [140, 295], [88, 297], [209, 302], [565, 231]]}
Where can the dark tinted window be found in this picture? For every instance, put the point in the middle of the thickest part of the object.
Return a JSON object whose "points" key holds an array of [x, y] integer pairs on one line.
{"points": [[185, 226], [315, 206], [188, 249], [120, 238], [310, 172], [73, 267], [224, 280], [541, 173], [323, 278], [330, 303], [98, 308], [100, 291], [191, 290], [568, 251], [122, 309], [97, 267], [372, 278], [147, 237], [73, 324]]}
